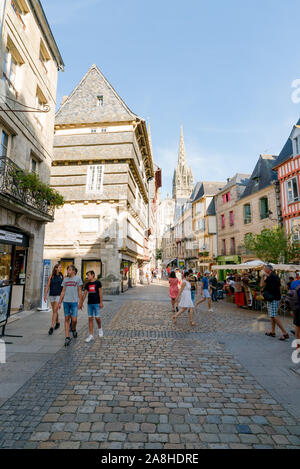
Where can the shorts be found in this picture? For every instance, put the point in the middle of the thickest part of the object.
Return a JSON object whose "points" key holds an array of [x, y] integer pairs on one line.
{"points": [[273, 307], [71, 309], [54, 299], [296, 318], [206, 294], [94, 311], [193, 293]]}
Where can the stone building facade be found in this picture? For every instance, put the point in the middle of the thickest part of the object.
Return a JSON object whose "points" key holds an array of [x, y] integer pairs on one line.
{"points": [[205, 224], [257, 208], [29, 66], [102, 165], [228, 222]]}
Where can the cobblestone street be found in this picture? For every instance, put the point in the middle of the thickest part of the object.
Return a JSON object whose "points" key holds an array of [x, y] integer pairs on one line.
{"points": [[151, 384]]}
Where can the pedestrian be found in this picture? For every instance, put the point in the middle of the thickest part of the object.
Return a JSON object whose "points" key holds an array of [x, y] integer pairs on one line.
{"points": [[185, 299], [270, 282], [159, 275], [173, 290], [179, 276], [93, 289], [54, 287], [295, 286], [239, 296], [289, 283], [71, 296], [194, 285], [213, 282], [205, 292]]}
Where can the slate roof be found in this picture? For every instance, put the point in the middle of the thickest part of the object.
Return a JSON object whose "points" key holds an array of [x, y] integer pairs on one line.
{"points": [[206, 189], [211, 209], [82, 107], [262, 176], [238, 180], [287, 151]]}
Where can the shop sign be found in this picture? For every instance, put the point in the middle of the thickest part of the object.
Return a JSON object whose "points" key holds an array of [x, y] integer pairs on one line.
{"points": [[8, 237]]}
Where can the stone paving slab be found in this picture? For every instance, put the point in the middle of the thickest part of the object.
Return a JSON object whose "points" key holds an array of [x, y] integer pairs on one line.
{"points": [[180, 388]]}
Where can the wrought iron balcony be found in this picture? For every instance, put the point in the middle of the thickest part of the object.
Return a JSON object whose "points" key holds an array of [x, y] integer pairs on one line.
{"points": [[19, 199]]}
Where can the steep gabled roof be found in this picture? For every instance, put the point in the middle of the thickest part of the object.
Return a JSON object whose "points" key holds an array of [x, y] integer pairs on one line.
{"points": [[239, 179], [287, 151], [82, 106], [262, 176], [206, 189]]}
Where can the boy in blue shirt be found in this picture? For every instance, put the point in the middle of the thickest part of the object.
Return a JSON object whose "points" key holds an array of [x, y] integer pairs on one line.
{"points": [[205, 291]]}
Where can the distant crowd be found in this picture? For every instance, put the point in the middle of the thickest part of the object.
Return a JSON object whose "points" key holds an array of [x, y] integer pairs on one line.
{"points": [[186, 286]]}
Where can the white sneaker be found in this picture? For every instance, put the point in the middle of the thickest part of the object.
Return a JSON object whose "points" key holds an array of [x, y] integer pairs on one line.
{"points": [[101, 332], [89, 339], [210, 310]]}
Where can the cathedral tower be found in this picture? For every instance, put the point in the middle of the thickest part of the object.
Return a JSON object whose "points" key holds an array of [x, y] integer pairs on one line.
{"points": [[183, 179]]}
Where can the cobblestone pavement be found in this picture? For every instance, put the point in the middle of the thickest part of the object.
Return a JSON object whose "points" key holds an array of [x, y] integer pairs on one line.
{"points": [[149, 384]]}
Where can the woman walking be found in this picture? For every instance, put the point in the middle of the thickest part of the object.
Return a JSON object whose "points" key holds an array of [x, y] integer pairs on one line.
{"points": [[174, 289], [239, 292], [55, 286], [185, 299]]}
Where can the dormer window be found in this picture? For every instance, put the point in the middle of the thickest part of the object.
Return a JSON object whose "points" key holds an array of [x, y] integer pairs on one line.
{"points": [[99, 100], [296, 145]]}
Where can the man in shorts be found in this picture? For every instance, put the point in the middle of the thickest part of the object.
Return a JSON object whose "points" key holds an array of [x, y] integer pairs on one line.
{"points": [[270, 282], [71, 296], [205, 292], [93, 288]]}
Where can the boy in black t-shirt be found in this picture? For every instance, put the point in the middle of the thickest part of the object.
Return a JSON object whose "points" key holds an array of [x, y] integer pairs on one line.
{"points": [[95, 302]]}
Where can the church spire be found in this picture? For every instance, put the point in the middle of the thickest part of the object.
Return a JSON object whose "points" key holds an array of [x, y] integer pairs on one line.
{"points": [[181, 153], [183, 180]]}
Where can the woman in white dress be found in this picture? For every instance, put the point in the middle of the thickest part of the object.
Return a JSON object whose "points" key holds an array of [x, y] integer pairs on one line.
{"points": [[185, 299]]}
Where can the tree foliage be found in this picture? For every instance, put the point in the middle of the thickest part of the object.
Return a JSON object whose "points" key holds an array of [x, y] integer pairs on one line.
{"points": [[159, 254], [274, 245]]}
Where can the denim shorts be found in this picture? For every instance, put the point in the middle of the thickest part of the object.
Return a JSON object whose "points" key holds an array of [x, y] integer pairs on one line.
{"points": [[94, 311], [193, 294], [71, 309], [206, 294]]}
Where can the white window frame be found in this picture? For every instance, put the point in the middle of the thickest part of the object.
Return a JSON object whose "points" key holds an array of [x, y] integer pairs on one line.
{"points": [[4, 131], [290, 191], [9, 60], [295, 235], [94, 180]]}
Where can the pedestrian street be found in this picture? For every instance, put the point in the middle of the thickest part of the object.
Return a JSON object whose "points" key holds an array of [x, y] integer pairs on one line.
{"points": [[151, 384]]}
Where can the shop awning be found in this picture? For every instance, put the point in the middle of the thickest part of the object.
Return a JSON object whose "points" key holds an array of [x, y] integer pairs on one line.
{"points": [[257, 265], [248, 265], [168, 261]]}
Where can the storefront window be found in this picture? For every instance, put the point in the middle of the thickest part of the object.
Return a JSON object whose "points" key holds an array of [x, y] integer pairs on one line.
{"points": [[19, 273], [95, 266], [5, 263], [65, 264]]}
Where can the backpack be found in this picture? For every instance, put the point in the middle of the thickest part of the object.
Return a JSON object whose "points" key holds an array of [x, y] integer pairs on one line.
{"points": [[292, 300]]}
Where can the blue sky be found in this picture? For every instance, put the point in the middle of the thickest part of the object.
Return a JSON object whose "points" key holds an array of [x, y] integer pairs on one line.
{"points": [[222, 69]]}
